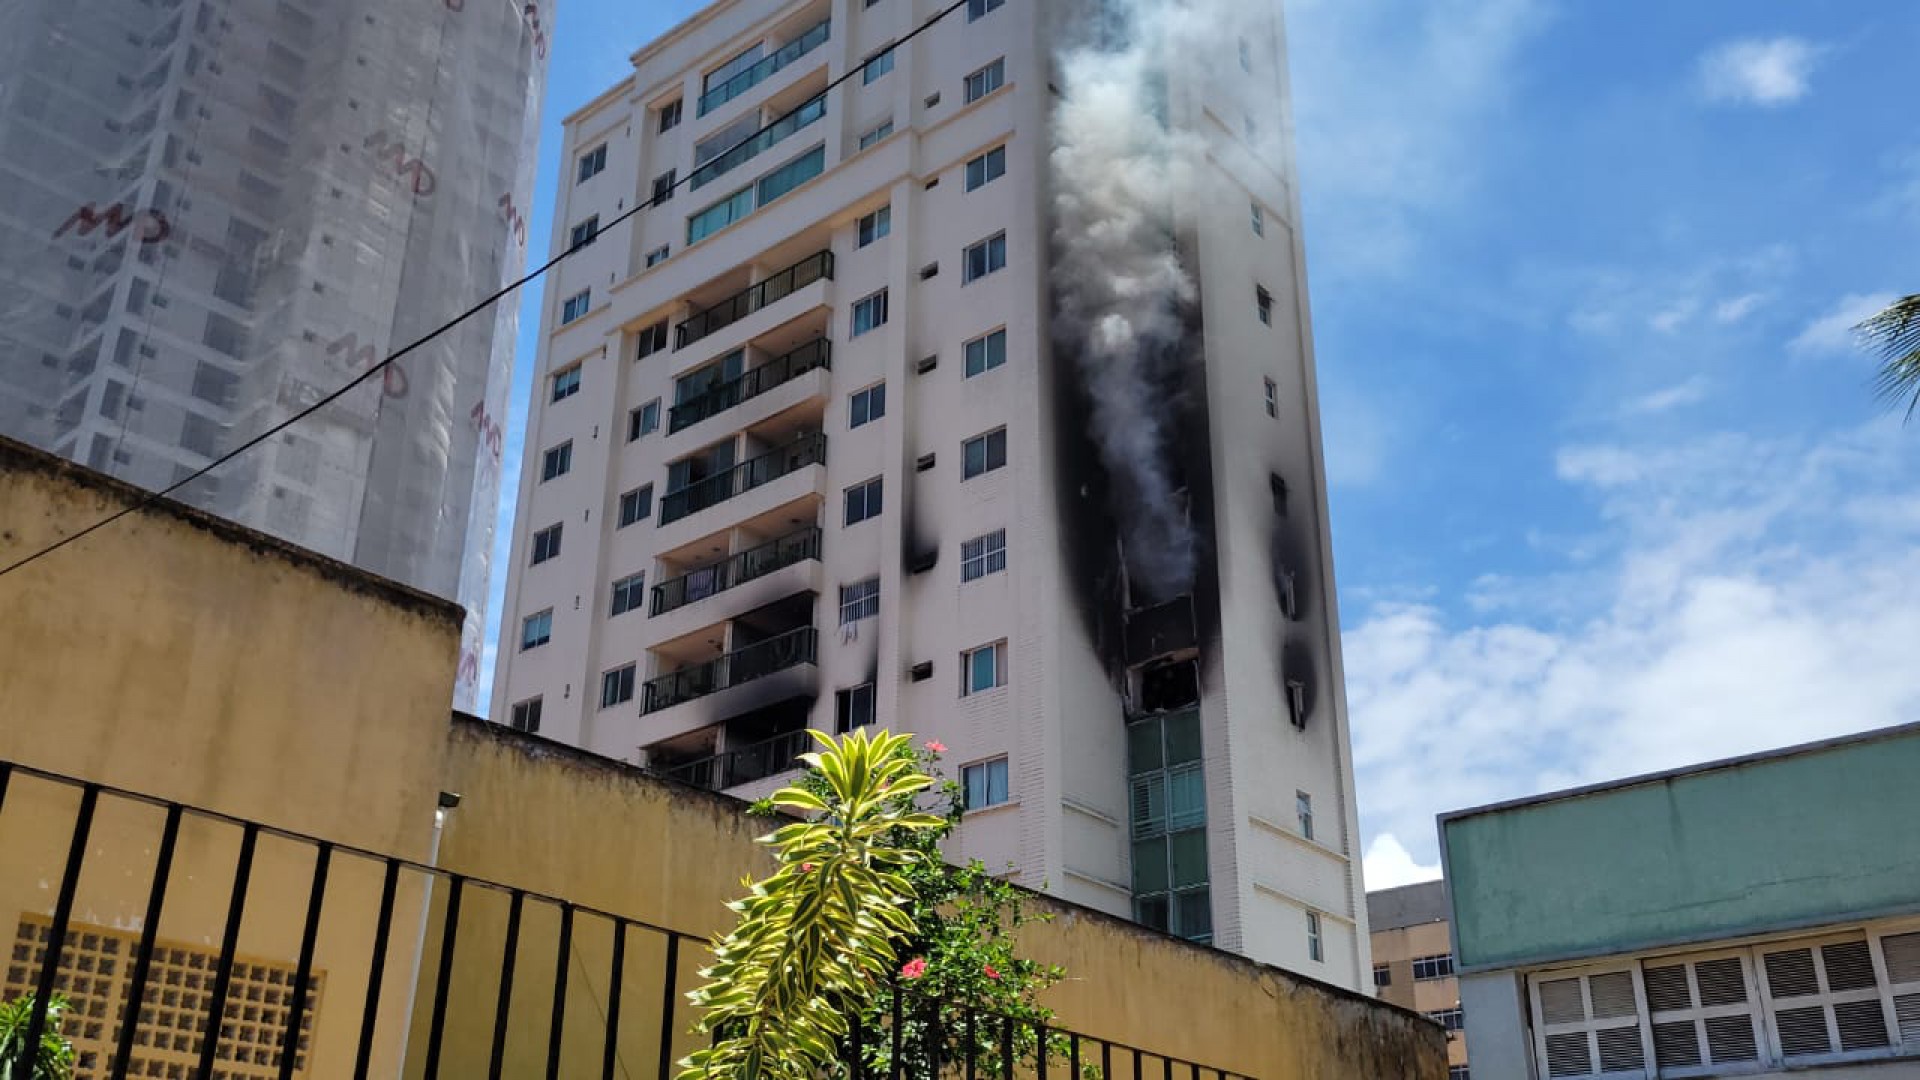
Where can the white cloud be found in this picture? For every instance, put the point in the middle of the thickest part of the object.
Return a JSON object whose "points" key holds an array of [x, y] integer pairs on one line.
{"points": [[1668, 320], [1736, 308], [1833, 332], [1754, 594], [1387, 865], [1757, 71], [1690, 392]]}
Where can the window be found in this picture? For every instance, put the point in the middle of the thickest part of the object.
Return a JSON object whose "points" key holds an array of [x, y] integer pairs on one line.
{"points": [[1259, 220], [636, 505], [1451, 1019], [986, 80], [983, 555], [628, 594], [869, 313], [875, 134], [653, 339], [536, 630], [983, 354], [1457, 1072], [670, 116], [526, 716], [1315, 950], [860, 600], [877, 65], [663, 186], [874, 226], [566, 382], [644, 420], [584, 232], [1167, 815], [1273, 398], [592, 162], [575, 306], [1303, 808], [658, 255], [1246, 56], [1263, 300], [983, 258], [1382, 975], [866, 406], [720, 215], [616, 686], [979, 9], [853, 707], [863, 501], [556, 461], [1433, 967], [987, 168], [983, 453], [983, 668], [791, 175], [985, 783], [546, 544]]}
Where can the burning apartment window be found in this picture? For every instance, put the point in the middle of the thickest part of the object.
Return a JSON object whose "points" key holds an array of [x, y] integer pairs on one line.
{"points": [[983, 453], [526, 716], [557, 461], [566, 382], [536, 630], [669, 116], [854, 707], [592, 162], [983, 258], [546, 544], [636, 505], [986, 80], [1263, 300], [984, 353], [616, 686]]}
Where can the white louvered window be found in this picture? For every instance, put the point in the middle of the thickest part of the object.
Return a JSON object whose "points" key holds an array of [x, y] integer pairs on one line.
{"points": [[1901, 952], [1705, 1012], [1825, 999], [1588, 1025]]}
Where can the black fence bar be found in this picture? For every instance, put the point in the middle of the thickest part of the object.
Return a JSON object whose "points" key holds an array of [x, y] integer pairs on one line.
{"points": [[370, 1011], [667, 1001], [303, 971], [229, 940], [1040, 1064], [973, 1043], [1007, 1060], [62, 916], [503, 1006], [893, 1059], [610, 1055], [442, 983], [149, 931], [557, 1024]]}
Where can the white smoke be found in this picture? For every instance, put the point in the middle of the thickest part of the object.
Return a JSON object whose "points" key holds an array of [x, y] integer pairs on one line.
{"points": [[1120, 291]]}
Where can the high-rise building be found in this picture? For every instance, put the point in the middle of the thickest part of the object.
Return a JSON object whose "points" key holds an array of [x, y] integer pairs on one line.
{"points": [[217, 213], [957, 380], [1413, 960]]}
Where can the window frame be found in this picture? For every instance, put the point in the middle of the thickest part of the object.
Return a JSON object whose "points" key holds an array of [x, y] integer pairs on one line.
{"points": [[987, 161], [617, 685], [1263, 304], [659, 255], [871, 493], [524, 715], [570, 313], [652, 338], [987, 442], [989, 249], [845, 700], [643, 420], [1382, 976], [995, 649], [545, 618], [585, 232], [867, 405], [980, 9], [873, 227], [870, 303], [664, 186], [1273, 397], [591, 163], [1259, 219], [632, 589], [982, 561], [1316, 938], [1437, 966], [1303, 810], [988, 770], [642, 503], [875, 134], [566, 383], [544, 545], [556, 461], [876, 66], [988, 77], [987, 362], [670, 115], [860, 600]]}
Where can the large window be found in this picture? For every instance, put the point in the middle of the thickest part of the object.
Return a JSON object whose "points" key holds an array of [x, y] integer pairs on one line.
{"points": [[1167, 819], [860, 600], [584, 232], [576, 305], [985, 353], [869, 313], [874, 226], [1433, 967], [877, 65], [983, 453], [546, 544], [616, 686], [866, 406], [536, 630], [983, 555], [629, 593], [592, 162], [987, 168], [983, 258], [985, 783], [983, 669], [986, 80], [526, 716], [745, 201], [566, 382], [863, 501], [652, 339], [853, 707]]}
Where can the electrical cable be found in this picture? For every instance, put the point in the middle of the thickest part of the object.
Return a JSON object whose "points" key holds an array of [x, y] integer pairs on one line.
{"points": [[149, 498]]}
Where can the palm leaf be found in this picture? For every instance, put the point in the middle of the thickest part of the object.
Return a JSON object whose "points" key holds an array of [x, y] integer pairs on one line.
{"points": [[1894, 336]]}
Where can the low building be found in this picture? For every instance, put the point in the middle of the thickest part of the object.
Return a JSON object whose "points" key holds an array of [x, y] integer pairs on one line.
{"points": [[231, 787], [1413, 960], [1757, 916]]}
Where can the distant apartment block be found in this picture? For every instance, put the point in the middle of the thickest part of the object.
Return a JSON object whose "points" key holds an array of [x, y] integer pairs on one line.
{"points": [[1413, 960]]}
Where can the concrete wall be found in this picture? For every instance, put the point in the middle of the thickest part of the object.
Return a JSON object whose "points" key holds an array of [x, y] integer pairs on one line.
{"points": [[1810, 836]]}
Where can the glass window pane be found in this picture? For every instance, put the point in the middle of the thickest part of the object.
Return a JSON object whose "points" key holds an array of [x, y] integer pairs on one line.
{"points": [[1188, 857], [1152, 912], [1186, 798], [1143, 746], [1183, 737], [981, 677], [1193, 914], [1150, 865]]}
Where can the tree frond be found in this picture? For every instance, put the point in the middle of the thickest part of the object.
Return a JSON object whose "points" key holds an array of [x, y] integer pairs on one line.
{"points": [[1893, 335]]}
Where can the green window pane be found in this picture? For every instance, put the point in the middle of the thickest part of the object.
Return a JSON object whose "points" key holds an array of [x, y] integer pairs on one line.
{"points": [[1186, 799], [1188, 857], [1150, 865], [1143, 746], [1193, 914], [1183, 737]]}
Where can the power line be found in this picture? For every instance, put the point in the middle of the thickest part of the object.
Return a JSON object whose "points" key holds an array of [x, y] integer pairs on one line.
{"points": [[149, 498]]}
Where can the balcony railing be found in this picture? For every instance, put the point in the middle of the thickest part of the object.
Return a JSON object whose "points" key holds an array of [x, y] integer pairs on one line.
{"points": [[723, 396], [748, 78], [775, 134], [740, 569], [744, 477], [755, 761], [777, 653], [754, 297]]}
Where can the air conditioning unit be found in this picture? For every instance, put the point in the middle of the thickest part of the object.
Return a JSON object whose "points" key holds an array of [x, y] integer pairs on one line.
{"points": [[921, 671]]}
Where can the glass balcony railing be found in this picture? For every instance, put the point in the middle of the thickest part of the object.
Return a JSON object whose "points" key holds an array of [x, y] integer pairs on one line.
{"points": [[750, 564], [754, 297], [755, 761], [804, 451], [752, 148], [751, 384], [762, 658], [748, 78]]}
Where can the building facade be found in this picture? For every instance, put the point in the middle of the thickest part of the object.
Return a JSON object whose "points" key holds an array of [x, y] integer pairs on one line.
{"points": [[855, 421], [1413, 960], [1752, 917], [217, 214]]}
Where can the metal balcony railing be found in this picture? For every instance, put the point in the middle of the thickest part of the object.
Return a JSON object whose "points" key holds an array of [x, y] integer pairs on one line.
{"points": [[754, 297], [795, 647], [723, 396], [748, 78], [755, 761], [738, 570], [744, 477]]}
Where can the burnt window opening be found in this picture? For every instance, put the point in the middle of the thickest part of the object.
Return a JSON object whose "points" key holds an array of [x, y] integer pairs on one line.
{"points": [[1297, 703], [923, 562], [1174, 684], [927, 364], [1289, 599], [1279, 489]]}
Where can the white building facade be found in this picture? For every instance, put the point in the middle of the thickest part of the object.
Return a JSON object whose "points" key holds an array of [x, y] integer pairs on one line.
{"points": [[815, 444]]}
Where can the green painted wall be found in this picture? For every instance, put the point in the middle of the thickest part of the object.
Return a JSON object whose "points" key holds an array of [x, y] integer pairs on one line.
{"points": [[1794, 841]]}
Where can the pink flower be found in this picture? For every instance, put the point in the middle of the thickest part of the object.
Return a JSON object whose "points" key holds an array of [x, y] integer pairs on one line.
{"points": [[936, 746], [914, 968], [806, 868], [990, 972]]}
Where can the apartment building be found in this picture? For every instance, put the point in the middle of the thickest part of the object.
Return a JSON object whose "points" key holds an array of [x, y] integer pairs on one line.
{"points": [[217, 213], [1413, 960], [1756, 916], [846, 426]]}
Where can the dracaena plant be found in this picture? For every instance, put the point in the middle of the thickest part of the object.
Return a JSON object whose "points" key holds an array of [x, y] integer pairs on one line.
{"points": [[51, 1060]]}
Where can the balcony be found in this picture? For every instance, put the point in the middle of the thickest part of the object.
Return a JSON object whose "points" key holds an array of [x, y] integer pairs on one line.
{"points": [[758, 660], [809, 449], [813, 355], [748, 565], [755, 761], [815, 267], [745, 80]]}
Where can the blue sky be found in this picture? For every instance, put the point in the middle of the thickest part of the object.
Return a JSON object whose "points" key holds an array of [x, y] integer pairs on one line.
{"points": [[1609, 490]]}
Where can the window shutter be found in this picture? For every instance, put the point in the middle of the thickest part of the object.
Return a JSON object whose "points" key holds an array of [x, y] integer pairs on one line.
{"points": [[1902, 954], [1825, 999], [1590, 1025], [1702, 1013]]}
